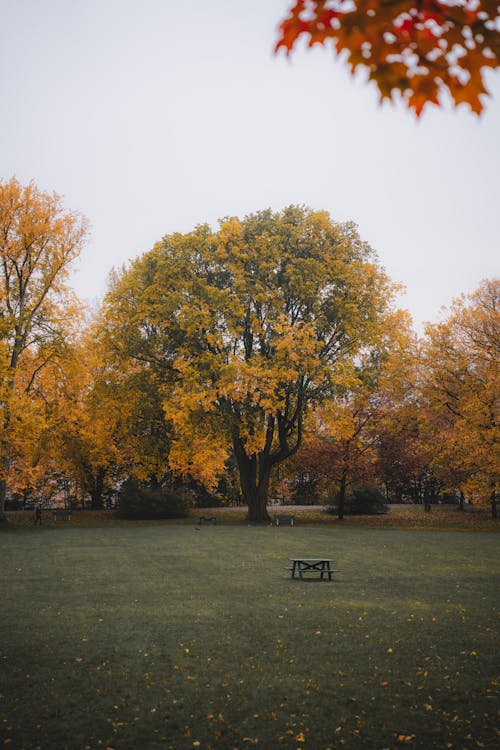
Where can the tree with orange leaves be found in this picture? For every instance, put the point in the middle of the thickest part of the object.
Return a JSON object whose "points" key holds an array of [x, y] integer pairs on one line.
{"points": [[99, 422], [344, 440], [460, 388], [39, 240], [414, 49]]}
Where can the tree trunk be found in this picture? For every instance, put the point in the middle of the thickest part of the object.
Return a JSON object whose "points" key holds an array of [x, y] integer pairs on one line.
{"points": [[341, 507], [461, 503], [494, 511], [5, 426], [3, 496], [255, 470], [255, 473], [427, 500], [257, 505], [5, 460], [97, 490]]}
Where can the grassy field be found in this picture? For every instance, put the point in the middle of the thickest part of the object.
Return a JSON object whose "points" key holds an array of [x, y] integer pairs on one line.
{"points": [[165, 636]]}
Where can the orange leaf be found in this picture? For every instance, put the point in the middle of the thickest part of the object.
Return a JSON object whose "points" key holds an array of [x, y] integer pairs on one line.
{"points": [[404, 34]]}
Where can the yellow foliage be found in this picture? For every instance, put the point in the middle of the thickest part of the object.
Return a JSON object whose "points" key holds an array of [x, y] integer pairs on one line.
{"points": [[39, 240], [245, 328], [460, 384]]}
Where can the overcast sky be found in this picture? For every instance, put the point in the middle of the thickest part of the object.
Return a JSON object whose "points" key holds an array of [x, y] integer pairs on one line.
{"points": [[152, 116]]}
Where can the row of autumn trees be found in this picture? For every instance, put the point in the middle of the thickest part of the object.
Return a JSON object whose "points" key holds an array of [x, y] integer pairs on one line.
{"points": [[267, 350]]}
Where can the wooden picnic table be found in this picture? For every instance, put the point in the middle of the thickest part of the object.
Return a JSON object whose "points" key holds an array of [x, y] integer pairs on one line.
{"points": [[321, 565]]}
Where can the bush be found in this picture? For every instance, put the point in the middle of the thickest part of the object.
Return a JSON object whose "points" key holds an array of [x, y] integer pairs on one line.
{"points": [[201, 497], [362, 501], [449, 497], [136, 501], [305, 490], [209, 501]]}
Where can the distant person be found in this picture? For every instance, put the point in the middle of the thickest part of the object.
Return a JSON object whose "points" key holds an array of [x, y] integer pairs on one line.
{"points": [[38, 515]]}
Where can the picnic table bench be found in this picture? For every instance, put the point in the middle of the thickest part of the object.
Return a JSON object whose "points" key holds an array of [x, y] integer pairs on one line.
{"points": [[61, 513], [321, 565], [207, 519], [280, 518]]}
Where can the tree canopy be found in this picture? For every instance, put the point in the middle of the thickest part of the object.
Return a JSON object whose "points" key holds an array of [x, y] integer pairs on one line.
{"points": [[460, 386], [248, 326], [224, 353], [39, 240]]}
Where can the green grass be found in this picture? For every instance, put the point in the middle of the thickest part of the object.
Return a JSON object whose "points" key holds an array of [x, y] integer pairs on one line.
{"points": [[163, 636]]}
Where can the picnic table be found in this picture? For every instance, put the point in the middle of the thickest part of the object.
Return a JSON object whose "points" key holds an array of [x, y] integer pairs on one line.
{"points": [[321, 565], [58, 513], [207, 519], [280, 518]]}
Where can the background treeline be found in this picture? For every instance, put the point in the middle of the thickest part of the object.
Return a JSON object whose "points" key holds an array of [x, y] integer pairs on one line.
{"points": [[263, 359]]}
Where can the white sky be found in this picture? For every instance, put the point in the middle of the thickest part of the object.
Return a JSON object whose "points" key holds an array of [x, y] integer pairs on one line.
{"points": [[152, 116]]}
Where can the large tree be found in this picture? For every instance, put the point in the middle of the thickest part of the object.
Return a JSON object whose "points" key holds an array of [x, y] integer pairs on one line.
{"points": [[97, 423], [80, 444], [460, 386], [39, 241], [248, 326]]}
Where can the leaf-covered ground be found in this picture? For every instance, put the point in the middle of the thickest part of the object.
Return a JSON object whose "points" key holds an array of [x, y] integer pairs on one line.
{"points": [[174, 636], [442, 517]]}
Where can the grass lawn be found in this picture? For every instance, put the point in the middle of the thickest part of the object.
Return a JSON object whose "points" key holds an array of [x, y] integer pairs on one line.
{"points": [[164, 636]]}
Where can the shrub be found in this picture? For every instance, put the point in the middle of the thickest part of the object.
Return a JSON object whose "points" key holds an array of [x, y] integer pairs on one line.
{"points": [[202, 498], [136, 501], [450, 497], [305, 490], [364, 500]]}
